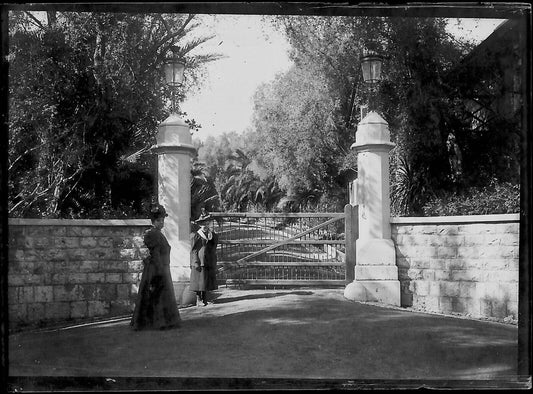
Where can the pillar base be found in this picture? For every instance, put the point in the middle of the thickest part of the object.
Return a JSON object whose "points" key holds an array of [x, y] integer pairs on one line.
{"points": [[375, 251], [382, 291], [184, 297]]}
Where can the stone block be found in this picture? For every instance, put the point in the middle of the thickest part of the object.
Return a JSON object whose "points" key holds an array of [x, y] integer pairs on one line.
{"points": [[66, 242], [89, 292], [113, 266], [477, 228], [415, 273], [33, 279], [89, 266], [121, 307], [467, 289], [138, 242], [134, 290], [15, 280], [81, 231], [36, 312], [128, 254], [123, 292], [96, 278], [35, 254], [97, 308], [25, 294], [59, 279], [485, 307], [53, 255], [78, 309], [442, 275], [502, 276], [130, 277], [106, 292], [446, 304], [449, 229], [43, 293], [426, 303], [509, 228], [18, 313], [105, 242], [375, 252], [68, 292], [446, 252], [80, 254], [88, 242], [450, 289], [12, 295], [57, 310], [499, 309], [48, 231], [402, 229], [113, 278], [21, 267], [376, 272], [44, 267], [16, 255], [512, 264], [103, 254], [490, 252], [385, 292], [467, 275], [512, 309], [66, 267], [475, 240], [421, 287], [437, 264], [77, 278]]}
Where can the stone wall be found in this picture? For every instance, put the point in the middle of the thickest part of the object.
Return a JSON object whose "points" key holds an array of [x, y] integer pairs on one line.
{"points": [[465, 265], [73, 269]]}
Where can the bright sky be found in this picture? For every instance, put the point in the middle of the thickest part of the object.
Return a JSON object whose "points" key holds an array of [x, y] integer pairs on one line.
{"points": [[255, 54]]}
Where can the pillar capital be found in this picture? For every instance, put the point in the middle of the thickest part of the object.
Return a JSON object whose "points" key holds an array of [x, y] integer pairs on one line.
{"points": [[177, 148]]}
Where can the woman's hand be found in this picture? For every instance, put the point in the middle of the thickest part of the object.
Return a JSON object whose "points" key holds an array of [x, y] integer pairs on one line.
{"points": [[199, 269]]}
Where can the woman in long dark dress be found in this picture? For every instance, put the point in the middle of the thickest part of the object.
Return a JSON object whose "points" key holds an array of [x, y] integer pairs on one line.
{"points": [[156, 306], [203, 259]]}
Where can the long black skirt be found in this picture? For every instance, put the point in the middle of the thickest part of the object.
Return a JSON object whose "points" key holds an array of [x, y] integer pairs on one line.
{"points": [[156, 306]]}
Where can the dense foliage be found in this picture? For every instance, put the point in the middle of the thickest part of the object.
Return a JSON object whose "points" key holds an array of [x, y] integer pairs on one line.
{"points": [[86, 95], [306, 118]]}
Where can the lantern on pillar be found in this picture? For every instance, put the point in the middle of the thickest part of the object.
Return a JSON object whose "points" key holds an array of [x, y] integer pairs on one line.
{"points": [[174, 68], [371, 66]]}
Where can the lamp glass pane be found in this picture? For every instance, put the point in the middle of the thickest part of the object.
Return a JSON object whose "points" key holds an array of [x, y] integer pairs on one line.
{"points": [[174, 73]]}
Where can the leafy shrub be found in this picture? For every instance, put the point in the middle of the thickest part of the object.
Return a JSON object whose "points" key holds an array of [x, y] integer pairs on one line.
{"points": [[495, 198]]}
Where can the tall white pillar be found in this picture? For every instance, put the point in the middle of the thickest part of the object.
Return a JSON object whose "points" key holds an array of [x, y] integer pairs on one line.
{"points": [[376, 273], [174, 149]]}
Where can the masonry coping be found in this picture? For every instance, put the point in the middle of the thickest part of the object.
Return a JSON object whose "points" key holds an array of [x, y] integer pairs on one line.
{"points": [[509, 217], [78, 222]]}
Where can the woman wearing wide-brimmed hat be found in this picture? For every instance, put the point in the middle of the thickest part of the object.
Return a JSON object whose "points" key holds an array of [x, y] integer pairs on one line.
{"points": [[203, 259], [156, 306]]}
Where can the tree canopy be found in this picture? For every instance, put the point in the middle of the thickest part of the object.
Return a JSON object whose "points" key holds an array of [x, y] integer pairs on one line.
{"points": [[86, 92], [307, 118]]}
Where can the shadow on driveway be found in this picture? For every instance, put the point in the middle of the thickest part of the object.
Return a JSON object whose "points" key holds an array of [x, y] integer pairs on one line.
{"points": [[268, 338]]}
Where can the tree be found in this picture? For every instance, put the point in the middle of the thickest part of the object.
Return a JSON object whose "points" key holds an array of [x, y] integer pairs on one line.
{"points": [[86, 93], [423, 111]]}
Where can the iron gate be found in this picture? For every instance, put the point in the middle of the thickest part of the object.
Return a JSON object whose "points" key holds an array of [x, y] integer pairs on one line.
{"points": [[281, 249]]}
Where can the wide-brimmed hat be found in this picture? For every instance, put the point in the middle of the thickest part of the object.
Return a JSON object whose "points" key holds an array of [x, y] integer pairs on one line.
{"points": [[204, 217], [158, 211]]}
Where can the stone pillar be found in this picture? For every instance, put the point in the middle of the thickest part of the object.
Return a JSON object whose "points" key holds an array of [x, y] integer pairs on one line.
{"points": [[174, 149], [376, 273]]}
